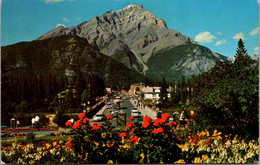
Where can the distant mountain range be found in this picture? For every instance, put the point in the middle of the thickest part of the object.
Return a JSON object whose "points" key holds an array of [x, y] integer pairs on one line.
{"points": [[136, 38]]}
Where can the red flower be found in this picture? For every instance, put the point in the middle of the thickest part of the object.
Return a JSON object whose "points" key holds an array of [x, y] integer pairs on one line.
{"points": [[129, 125], [163, 120], [131, 118], [145, 124], [172, 124], [207, 142], [165, 116], [160, 130], [95, 123], [132, 132], [85, 120], [179, 138], [77, 124], [195, 140], [157, 122], [123, 134], [82, 115], [68, 123], [94, 128], [155, 131], [70, 145], [147, 119], [109, 117], [134, 139]]}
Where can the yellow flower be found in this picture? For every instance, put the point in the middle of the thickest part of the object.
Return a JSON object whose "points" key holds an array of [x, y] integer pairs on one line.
{"points": [[110, 162], [197, 160], [54, 144], [142, 156], [60, 142], [180, 161], [48, 145], [205, 157]]}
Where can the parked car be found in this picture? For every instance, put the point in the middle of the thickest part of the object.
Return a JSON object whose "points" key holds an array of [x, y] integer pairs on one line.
{"points": [[99, 117], [134, 109], [136, 113], [109, 106]]}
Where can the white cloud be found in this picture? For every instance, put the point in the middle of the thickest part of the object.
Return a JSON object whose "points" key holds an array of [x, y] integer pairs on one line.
{"points": [[239, 36], [66, 20], [55, 1], [220, 42], [219, 33], [204, 37], [254, 31], [257, 1], [52, 1], [60, 25], [256, 50], [78, 19]]}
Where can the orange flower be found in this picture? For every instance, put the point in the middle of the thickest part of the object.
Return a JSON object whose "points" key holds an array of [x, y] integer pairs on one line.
{"points": [[129, 125], [131, 118], [82, 115], [109, 117], [147, 119], [145, 124], [68, 123]]}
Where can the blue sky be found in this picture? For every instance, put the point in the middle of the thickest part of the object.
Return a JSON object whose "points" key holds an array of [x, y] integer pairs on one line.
{"points": [[216, 24]]}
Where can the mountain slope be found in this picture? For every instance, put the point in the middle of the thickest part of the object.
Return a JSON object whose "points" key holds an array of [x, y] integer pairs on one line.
{"points": [[188, 60], [65, 55], [133, 36]]}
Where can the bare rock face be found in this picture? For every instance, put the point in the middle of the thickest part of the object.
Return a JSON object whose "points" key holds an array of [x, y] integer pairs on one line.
{"points": [[132, 27], [133, 36]]}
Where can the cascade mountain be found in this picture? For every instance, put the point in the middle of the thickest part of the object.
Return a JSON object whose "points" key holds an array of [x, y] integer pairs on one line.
{"points": [[136, 38]]}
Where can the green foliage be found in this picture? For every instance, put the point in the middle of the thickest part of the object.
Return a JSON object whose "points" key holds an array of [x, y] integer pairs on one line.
{"points": [[30, 137], [229, 91], [61, 118]]}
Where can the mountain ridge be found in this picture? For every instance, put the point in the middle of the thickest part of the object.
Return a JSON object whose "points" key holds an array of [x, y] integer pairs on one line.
{"points": [[132, 36]]}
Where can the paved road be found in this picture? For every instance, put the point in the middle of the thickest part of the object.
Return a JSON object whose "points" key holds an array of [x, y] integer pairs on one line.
{"points": [[145, 111]]}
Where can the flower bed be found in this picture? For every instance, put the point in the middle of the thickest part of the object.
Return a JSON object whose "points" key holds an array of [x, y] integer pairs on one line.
{"points": [[150, 142]]}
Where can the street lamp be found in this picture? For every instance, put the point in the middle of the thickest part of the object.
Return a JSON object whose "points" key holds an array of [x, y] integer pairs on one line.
{"points": [[84, 107], [89, 105]]}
